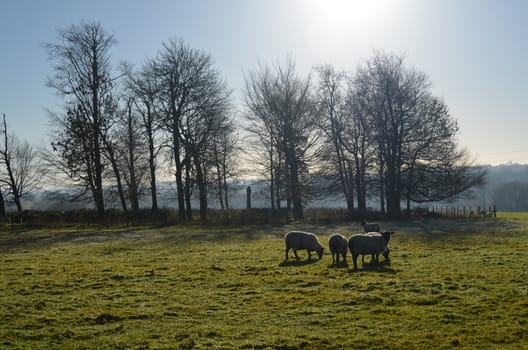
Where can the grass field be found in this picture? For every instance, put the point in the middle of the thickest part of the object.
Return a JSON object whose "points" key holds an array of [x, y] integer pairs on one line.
{"points": [[450, 284]]}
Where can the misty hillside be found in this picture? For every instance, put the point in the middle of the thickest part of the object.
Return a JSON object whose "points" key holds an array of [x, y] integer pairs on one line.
{"points": [[506, 187]]}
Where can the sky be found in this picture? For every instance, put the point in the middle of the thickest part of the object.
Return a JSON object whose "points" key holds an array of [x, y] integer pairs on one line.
{"points": [[475, 52]]}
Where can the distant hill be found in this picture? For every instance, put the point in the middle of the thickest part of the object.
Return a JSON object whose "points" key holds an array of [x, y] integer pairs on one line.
{"points": [[506, 187]]}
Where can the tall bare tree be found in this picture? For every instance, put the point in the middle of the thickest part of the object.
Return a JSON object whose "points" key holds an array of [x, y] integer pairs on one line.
{"points": [[358, 144], [192, 95], [143, 90], [333, 123], [82, 76], [414, 134], [280, 102], [222, 153]]}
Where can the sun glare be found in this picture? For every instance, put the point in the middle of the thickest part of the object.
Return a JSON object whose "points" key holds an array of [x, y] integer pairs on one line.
{"points": [[343, 13]]}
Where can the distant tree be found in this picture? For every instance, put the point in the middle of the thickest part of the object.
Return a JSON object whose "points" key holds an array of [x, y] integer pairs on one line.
{"points": [[511, 196], [280, 103], [82, 76], [22, 170], [222, 158]]}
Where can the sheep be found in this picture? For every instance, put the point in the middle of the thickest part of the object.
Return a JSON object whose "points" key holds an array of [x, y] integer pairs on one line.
{"points": [[298, 240], [374, 257], [338, 245], [372, 227], [369, 243]]}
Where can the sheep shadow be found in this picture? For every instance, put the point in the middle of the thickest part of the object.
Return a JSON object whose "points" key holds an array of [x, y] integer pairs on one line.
{"points": [[287, 263], [338, 265], [380, 267]]}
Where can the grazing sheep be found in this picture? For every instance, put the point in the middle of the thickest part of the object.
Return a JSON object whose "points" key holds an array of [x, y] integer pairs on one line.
{"points": [[338, 245], [372, 227], [369, 243], [298, 240], [374, 257]]}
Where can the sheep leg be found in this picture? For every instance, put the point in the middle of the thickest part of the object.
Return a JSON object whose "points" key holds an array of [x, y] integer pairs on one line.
{"points": [[309, 255], [354, 259], [287, 250], [295, 253]]}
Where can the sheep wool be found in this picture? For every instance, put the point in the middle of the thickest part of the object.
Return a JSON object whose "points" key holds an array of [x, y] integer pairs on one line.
{"points": [[369, 243], [370, 227], [298, 240], [338, 245]]}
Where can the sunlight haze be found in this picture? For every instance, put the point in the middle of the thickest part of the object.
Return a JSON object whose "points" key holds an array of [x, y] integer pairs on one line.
{"points": [[474, 52]]}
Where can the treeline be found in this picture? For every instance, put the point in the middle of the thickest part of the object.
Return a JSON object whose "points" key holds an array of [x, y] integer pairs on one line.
{"points": [[376, 132]]}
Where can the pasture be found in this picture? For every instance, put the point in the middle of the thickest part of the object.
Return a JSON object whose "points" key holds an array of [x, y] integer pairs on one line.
{"points": [[450, 284]]}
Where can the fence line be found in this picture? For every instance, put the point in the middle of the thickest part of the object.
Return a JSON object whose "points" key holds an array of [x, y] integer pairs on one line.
{"points": [[464, 212]]}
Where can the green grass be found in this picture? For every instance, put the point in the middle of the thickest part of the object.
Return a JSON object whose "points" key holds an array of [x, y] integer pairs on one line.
{"points": [[450, 284]]}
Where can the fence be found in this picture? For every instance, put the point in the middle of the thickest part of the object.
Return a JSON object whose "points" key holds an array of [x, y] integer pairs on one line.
{"points": [[463, 212]]}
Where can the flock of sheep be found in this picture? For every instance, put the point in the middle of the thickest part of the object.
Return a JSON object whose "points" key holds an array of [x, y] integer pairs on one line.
{"points": [[373, 242]]}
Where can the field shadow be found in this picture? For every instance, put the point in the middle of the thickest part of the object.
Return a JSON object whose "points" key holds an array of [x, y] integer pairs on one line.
{"points": [[10, 241], [432, 228], [287, 263], [339, 265], [380, 267]]}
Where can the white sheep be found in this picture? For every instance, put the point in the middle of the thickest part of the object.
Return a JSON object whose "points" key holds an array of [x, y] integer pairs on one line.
{"points": [[369, 244], [298, 240], [374, 258], [338, 245], [370, 227]]}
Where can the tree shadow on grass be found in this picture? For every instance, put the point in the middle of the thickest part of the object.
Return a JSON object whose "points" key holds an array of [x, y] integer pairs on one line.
{"points": [[11, 241]]}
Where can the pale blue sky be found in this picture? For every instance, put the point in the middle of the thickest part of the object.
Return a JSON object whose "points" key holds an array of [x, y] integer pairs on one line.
{"points": [[475, 52]]}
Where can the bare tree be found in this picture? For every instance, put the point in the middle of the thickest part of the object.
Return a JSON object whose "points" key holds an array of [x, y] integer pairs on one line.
{"points": [[82, 76], [221, 158], [333, 124], [192, 96], [413, 132], [264, 135], [144, 93], [280, 102], [22, 171], [358, 143]]}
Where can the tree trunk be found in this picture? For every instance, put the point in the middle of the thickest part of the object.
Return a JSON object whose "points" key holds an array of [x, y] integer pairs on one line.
{"points": [[178, 174], [188, 190], [117, 175], [2, 205], [152, 159], [133, 185], [98, 167], [202, 188]]}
